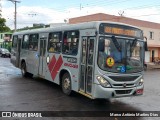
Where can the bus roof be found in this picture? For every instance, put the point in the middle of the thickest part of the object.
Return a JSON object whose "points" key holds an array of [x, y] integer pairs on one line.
{"points": [[84, 25]]}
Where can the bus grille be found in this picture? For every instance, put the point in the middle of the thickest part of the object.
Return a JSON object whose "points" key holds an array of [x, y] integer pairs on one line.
{"points": [[122, 85], [123, 78], [123, 91]]}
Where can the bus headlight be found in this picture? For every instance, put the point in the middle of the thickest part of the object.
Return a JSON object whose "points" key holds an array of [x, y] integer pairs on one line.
{"points": [[103, 82], [140, 82]]}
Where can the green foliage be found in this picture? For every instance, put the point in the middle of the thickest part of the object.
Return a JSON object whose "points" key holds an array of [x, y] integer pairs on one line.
{"points": [[9, 46], [3, 27], [30, 28]]}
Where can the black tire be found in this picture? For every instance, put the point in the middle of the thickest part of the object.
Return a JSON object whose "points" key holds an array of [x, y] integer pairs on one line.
{"points": [[145, 67], [66, 84], [24, 71]]}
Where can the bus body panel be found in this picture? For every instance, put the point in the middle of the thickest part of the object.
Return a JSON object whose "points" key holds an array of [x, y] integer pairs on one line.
{"points": [[51, 71], [73, 70]]}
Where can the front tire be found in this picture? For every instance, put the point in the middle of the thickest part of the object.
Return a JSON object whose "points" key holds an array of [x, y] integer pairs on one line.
{"points": [[23, 70], [66, 84]]}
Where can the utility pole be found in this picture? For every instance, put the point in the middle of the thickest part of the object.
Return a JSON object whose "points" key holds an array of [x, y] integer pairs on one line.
{"points": [[15, 14], [80, 7], [0, 9]]}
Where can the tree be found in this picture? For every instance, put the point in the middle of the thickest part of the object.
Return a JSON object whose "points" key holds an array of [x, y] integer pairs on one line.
{"points": [[3, 27], [38, 26]]}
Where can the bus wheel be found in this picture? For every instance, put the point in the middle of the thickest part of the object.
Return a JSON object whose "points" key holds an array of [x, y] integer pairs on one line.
{"points": [[66, 84], [23, 70]]}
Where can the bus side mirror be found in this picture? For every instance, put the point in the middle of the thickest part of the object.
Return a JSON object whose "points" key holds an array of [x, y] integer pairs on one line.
{"points": [[145, 46]]}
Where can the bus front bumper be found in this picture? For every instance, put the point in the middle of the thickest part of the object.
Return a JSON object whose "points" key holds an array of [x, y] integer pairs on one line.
{"points": [[105, 93]]}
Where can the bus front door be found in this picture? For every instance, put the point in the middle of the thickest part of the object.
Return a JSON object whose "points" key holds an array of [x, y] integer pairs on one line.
{"points": [[86, 78], [42, 51]]}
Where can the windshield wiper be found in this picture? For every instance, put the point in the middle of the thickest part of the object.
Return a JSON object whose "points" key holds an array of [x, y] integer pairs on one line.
{"points": [[117, 45], [133, 45]]}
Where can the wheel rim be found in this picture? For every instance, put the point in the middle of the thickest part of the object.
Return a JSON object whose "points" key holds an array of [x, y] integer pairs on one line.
{"points": [[66, 84], [23, 70]]}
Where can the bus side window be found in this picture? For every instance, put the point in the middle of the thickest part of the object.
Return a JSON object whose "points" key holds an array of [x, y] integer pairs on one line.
{"points": [[25, 42], [65, 44], [75, 46], [15, 41], [54, 42], [33, 42], [70, 42]]}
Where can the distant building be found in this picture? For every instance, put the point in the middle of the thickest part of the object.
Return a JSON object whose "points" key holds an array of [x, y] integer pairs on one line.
{"points": [[38, 25], [151, 30], [6, 40], [6, 36], [57, 24]]}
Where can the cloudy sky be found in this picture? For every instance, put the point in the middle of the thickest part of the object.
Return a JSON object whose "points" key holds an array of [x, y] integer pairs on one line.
{"points": [[56, 11]]}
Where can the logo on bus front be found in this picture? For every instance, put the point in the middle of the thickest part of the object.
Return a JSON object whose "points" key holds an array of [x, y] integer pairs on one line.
{"points": [[110, 61]]}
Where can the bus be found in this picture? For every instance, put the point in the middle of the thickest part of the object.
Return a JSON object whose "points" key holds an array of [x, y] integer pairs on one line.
{"points": [[98, 59]]}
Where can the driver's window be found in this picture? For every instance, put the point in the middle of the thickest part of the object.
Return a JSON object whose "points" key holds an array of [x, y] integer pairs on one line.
{"points": [[103, 51]]}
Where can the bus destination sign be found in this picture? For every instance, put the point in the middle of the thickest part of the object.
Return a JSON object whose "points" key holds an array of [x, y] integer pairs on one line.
{"points": [[122, 31]]}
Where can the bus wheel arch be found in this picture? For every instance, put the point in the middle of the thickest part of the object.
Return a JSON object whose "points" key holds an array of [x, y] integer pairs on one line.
{"points": [[24, 69], [65, 82]]}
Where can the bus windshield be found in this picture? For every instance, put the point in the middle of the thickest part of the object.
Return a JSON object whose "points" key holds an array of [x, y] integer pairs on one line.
{"points": [[120, 55]]}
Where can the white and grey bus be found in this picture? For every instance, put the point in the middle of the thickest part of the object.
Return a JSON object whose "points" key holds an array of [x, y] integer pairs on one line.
{"points": [[96, 59]]}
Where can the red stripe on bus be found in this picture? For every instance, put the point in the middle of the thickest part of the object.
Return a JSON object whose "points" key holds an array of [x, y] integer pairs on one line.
{"points": [[57, 67], [52, 63]]}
